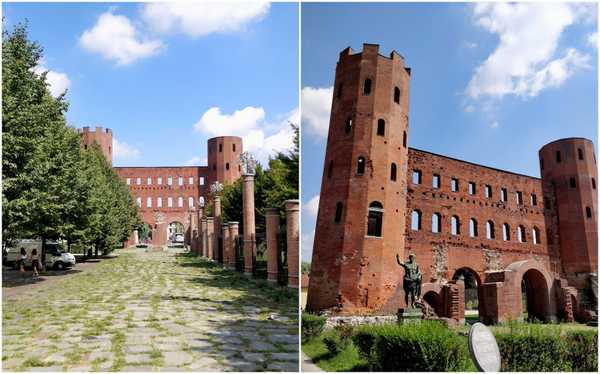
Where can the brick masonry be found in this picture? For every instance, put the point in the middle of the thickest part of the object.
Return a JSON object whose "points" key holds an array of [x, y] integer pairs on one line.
{"points": [[540, 230]]}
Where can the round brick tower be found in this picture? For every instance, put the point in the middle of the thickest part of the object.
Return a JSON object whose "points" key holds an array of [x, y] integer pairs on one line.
{"points": [[223, 155], [569, 177], [361, 221]]}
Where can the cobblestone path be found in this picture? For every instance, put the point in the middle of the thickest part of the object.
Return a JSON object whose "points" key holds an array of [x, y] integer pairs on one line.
{"points": [[152, 310]]}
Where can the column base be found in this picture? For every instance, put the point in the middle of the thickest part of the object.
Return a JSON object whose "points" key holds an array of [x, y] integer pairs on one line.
{"points": [[248, 274], [272, 280]]}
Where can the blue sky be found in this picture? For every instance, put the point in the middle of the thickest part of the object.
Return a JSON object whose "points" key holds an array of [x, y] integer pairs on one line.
{"points": [[490, 84], [166, 77]]}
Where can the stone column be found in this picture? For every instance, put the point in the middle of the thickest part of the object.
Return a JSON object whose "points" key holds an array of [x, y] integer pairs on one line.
{"points": [[136, 238], [233, 235], [292, 211], [199, 235], [249, 226], [272, 222], [210, 234], [203, 237], [226, 243], [218, 233]]}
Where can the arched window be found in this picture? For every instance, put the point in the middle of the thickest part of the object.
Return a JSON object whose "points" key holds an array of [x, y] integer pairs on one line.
{"points": [[375, 220], [536, 235], [201, 201], [381, 127], [588, 212], [367, 86], [138, 202], [159, 202], [393, 172], [227, 166], [521, 234], [148, 202], [330, 169], [572, 183], [339, 90], [233, 147], [190, 202], [220, 147], [489, 229], [404, 139], [170, 202], [180, 202], [580, 153], [558, 156], [396, 95], [505, 232], [472, 228], [415, 220], [455, 225], [593, 183], [338, 212], [436, 222], [348, 127], [360, 165]]}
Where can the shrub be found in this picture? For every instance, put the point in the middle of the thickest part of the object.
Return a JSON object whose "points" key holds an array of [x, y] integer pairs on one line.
{"points": [[338, 339], [312, 325], [423, 346], [582, 350], [527, 347]]}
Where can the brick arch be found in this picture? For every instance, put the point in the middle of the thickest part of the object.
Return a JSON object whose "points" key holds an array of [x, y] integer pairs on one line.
{"points": [[478, 279], [432, 294], [542, 300]]}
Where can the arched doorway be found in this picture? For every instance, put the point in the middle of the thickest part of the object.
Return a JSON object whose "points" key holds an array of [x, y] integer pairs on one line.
{"points": [[434, 300], [175, 232], [534, 296], [145, 234], [472, 283]]}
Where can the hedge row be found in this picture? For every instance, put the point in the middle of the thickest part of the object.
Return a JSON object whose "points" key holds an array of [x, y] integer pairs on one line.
{"points": [[425, 346], [527, 347], [312, 325]]}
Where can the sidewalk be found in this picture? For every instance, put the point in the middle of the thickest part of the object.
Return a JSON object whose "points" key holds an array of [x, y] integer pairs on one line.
{"points": [[308, 365]]}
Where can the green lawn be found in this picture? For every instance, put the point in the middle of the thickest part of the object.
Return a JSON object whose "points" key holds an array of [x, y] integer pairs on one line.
{"points": [[346, 360]]}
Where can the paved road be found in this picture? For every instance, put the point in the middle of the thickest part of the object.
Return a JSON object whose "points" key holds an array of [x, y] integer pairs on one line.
{"points": [[152, 310]]}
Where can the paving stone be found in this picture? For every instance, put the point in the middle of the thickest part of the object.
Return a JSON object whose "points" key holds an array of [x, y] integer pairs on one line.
{"points": [[137, 369], [177, 358], [254, 357], [283, 366], [284, 356], [46, 369], [137, 348]]}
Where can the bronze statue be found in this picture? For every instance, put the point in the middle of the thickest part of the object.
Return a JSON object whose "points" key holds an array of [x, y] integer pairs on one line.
{"points": [[412, 279]]}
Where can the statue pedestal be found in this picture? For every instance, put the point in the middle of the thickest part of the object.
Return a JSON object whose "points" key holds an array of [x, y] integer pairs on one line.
{"points": [[409, 315]]}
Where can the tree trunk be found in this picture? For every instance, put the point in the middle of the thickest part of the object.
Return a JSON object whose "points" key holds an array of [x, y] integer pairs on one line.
{"points": [[43, 253], [95, 251]]}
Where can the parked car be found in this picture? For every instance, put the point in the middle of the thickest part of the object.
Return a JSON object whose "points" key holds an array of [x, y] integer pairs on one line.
{"points": [[56, 257], [178, 238]]}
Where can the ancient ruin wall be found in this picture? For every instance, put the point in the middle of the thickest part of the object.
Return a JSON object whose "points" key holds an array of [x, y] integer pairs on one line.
{"points": [[223, 157], [102, 137], [442, 254]]}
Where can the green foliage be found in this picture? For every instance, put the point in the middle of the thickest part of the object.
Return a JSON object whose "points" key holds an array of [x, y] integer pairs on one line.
{"points": [[531, 347], [52, 188], [312, 325], [338, 338], [305, 267], [424, 346]]}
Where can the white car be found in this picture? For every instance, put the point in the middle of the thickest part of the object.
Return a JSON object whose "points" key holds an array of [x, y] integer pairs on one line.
{"points": [[56, 257], [178, 238]]}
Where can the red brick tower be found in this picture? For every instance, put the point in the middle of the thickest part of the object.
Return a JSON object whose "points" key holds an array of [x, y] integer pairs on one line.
{"points": [[103, 137], [223, 155], [569, 176], [361, 221]]}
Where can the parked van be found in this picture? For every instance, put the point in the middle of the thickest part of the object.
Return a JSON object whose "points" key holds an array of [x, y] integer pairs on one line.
{"points": [[56, 257]]}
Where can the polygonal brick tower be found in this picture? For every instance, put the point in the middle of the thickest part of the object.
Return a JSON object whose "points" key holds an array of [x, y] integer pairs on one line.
{"points": [[102, 137], [569, 175], [361, 221]]}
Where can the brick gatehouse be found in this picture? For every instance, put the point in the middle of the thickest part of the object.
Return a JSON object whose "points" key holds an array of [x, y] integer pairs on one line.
{"points": [[169, 197], [514, 241]]}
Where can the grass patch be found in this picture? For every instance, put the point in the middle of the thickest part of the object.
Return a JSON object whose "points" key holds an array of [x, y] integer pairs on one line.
{"points": [[35, 362], [346, 360]]}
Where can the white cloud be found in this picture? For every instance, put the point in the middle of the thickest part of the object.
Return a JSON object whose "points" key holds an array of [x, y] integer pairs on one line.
{"points": [[196, 160], [57, 82], [592, 40], [249, 123], [316, 109], [469, 109], [312, 206], [215, 123], [124, 151], [494, 125], [523, 63], [307, 243], [115, 38], [198, 19]]}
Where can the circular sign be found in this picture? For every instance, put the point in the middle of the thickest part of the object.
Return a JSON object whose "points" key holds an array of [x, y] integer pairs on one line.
{"points": [[483, 347]]}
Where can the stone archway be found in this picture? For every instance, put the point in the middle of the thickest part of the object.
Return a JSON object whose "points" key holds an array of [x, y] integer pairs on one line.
{"points": [[472, 282], [539, 302], [174, 229]]}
